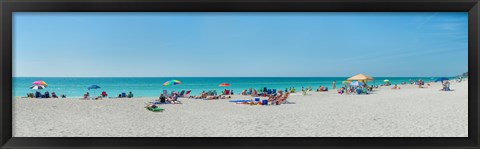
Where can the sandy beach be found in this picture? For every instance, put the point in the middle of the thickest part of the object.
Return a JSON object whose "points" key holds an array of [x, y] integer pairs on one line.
{"points": [[408, 112]]}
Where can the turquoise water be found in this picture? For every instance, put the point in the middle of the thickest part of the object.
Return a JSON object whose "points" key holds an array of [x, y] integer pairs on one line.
{"points": [[152, 87]]}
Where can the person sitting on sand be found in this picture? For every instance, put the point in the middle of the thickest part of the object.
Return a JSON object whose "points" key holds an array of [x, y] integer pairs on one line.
{"points": [[279, 95], [203, 95], [365, 90], [282, 99], [162, 98], [47, 94], [54, 95], [152, 106], [352, 90], [104, 94], [446, 86], [86, 96], [341, 90], [244, 92], [395, 87], [174, 98], [255, 93], [130, 95], [271, 99]]}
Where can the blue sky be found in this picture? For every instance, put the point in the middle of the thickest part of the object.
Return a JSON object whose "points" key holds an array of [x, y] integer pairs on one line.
{"points": [[239, 44]]}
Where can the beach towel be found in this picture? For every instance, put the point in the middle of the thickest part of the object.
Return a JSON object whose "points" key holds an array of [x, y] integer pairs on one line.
{"points": [[157, 109], [240, 100]]}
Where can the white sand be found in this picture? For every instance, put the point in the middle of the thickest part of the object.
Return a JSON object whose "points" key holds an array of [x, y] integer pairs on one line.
{"points": [[409, 112]]}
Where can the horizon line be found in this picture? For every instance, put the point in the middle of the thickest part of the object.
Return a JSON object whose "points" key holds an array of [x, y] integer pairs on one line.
{"points": [[218, 76]]}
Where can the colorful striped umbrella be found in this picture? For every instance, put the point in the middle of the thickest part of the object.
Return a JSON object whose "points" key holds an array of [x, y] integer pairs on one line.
{"points": [[224, 84], [40, 82], [356, 83], [172, 82]]}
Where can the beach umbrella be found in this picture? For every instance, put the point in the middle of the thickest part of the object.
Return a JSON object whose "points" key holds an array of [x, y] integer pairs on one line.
{"points": [[441, 79], [40, 82], [386, 80], [172, 82], [93, 87], [224, 84], [37, 87], [361, 77]]}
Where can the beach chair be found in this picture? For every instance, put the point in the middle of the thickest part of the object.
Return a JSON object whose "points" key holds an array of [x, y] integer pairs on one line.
{"points": [[124, 94], [187, 94], [269, 91], [227, 92], [181, 93], [165, 92], [265, 102], [274, 91]]}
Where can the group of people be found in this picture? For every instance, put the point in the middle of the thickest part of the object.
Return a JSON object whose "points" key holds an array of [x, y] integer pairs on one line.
{"points": [[169, 99], [355, 90], [104, 95], [279, 98], [322, 89], [212, 95], [45, 95]]}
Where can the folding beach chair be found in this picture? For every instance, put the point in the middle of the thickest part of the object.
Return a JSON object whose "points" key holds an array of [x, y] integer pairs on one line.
{"points": [[181, 93], [165, 92], [227, 92], [187, 94]]}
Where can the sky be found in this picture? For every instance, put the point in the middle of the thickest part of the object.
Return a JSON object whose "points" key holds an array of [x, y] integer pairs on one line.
{"points": [[239, 44]]}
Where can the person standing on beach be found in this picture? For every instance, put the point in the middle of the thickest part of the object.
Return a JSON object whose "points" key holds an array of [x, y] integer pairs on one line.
{"points": [[334, 86]]}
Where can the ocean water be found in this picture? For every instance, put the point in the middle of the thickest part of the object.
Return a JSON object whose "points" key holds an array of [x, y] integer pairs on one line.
{"points": [[153, 87]]}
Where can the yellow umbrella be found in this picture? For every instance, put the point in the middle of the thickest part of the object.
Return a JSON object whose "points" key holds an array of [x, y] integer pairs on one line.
{"points": [[361, 77]]}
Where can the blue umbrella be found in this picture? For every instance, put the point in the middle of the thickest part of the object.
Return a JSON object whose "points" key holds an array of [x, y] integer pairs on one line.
{"points": [[442, 79], [93, 87]]}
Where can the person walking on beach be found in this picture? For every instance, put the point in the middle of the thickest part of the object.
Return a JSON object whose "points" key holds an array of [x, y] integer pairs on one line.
{"points": [[334, 86]]}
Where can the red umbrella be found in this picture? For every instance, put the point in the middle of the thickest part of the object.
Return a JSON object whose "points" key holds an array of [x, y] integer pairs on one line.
{"points": [[224, 84]]}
